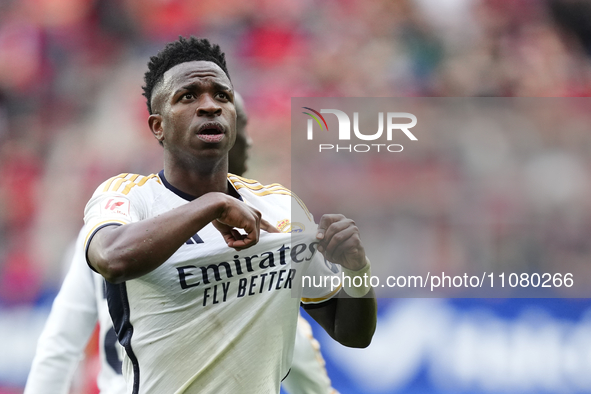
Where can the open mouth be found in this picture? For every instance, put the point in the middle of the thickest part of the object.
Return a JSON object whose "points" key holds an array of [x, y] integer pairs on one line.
{"points": [[211, 132]]}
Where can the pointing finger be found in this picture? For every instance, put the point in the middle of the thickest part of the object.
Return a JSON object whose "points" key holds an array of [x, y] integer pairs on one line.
{"points": [[268, 227]]}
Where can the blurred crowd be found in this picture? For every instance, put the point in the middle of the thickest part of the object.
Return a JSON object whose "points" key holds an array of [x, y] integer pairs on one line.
{"points": [[72, 113]]}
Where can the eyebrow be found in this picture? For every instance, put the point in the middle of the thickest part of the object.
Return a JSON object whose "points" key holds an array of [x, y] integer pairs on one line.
{"points": [[194, 85]]}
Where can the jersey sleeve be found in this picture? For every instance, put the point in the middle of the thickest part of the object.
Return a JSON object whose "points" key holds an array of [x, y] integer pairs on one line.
{"points": [[69, 326], [114, 202]]}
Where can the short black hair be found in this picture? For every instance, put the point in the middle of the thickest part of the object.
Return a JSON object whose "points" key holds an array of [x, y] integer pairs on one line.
{"points": [[177, 52]]}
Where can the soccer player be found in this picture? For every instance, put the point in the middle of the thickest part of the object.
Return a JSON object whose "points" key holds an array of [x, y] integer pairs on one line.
{"points": [[81, 302], [199, 279]]}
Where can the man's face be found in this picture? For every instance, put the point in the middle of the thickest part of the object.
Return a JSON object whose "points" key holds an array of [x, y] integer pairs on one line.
{"points": [[194, 114]]}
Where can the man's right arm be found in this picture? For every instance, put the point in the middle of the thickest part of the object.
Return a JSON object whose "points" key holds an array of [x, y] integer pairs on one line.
{"points": [[349, 319], [121, 253]]}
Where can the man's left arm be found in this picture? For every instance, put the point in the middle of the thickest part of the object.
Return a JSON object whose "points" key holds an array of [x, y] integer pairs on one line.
{"points": [[349, 317]]}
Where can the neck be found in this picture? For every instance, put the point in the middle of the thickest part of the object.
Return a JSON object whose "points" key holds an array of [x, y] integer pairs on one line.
{"points": [[197, 178]]}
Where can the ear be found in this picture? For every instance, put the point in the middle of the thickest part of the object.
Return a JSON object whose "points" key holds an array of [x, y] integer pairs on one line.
{"points": [[155, 123]]}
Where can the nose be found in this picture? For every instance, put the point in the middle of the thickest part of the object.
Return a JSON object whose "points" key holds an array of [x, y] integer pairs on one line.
{"points": [[208, 106]]}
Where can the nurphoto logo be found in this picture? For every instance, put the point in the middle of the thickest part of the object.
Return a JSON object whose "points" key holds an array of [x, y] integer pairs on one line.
{"points": [[393, 123]]}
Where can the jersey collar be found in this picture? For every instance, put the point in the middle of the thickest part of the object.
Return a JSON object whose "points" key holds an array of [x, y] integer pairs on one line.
{"points": [[232, 191]]}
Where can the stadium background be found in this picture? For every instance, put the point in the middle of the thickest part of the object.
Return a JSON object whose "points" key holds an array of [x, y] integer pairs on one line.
{"points": [[72, 115]]}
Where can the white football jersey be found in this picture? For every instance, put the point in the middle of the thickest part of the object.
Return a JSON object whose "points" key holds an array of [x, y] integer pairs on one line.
{"points": [[81, 303], [211, 319]]}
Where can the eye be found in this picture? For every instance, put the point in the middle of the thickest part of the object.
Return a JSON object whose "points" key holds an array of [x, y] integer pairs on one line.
{"points": [[223, 95], [188, 96]]}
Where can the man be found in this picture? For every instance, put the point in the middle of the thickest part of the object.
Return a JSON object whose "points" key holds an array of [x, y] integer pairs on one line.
{"points": [[199, 295], [81, 302]]}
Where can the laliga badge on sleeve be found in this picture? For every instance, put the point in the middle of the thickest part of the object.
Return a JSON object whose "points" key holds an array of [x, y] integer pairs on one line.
{"points": [[115, 206]]}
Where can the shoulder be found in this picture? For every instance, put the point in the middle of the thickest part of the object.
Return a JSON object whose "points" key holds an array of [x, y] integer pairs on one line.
{"points": [[279, 194], [126, 182], [257, 188], [119, 194]]}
